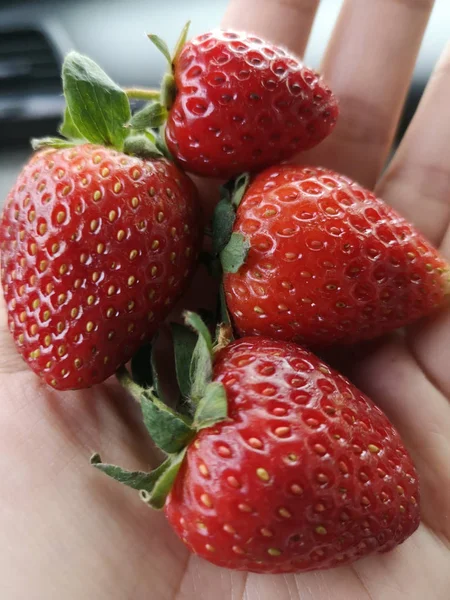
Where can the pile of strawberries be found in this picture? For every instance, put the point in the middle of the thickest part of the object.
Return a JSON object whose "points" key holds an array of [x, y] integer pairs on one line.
{"points": [[275, 462]]}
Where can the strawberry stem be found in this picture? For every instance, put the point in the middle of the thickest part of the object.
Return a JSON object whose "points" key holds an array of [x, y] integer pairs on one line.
{"points": [[127, 382], [168, 90], [142, 94]]}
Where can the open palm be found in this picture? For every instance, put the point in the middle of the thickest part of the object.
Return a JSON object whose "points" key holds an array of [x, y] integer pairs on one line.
{"points": [[69, 532]]}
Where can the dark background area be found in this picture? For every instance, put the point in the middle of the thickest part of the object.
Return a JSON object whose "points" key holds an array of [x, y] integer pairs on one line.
{"points": [[35, 36]]}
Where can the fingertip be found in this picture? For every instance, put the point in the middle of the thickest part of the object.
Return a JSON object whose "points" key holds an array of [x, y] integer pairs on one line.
{"points": [[285, 23]]}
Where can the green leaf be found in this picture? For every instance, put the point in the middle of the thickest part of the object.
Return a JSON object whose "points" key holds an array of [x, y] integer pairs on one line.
{"points": [[127, 382], [151, 116], [138, 480], [162, 147], [154, 486], [181, 41], [156, 498], [168, 90], [201, 371], [51, 142], [68, 129], [234, 189], [155, 373], [141, 145], [222, 223], [99, 108], [195, 322], [185, 408], [239, 188], [169, 430], [212, 408], [162, 47], [202, 358], [225, 213], [184, 342], [151, 135], [235, 253]]}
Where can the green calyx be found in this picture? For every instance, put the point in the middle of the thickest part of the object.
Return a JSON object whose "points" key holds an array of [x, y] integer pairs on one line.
{"points": [[98, 107], [98, 111], [168, 88], [229, 247], [152, 116], [203, 400]]}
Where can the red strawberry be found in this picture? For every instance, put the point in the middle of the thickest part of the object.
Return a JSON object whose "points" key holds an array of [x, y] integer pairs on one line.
{"points": [[277, 464], [243, 104], [96, 248], [328, 261], [305, 473]]}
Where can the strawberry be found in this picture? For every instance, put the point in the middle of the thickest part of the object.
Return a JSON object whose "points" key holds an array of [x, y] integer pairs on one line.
{"points": [[327, 261], [97, 245], [237, 103], [302, 471]]}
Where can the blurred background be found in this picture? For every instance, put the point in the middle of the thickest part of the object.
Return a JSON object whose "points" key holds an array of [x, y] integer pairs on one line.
{"points": [[36, 34]]}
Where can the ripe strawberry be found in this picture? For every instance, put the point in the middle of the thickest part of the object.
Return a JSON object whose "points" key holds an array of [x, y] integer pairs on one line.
{"points": [[328, 261], [241, 104], [96, 248], [306, 473], [285, 466]]}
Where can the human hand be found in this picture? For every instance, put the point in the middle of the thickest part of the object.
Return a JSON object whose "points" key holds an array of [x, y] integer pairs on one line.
{"points": [[67, 531]]}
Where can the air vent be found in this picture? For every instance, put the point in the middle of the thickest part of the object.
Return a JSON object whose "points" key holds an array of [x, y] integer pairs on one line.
{"points": [[28, 63], [31, 99]]}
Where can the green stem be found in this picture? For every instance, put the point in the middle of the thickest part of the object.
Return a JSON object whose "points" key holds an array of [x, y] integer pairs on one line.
{"points": [[127, 382], [142, 94], [168, 90]]}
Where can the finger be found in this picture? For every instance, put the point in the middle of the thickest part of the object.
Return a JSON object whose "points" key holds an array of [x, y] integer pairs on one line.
{"points": [[417, 182], [284, 22], [428, 340], [394, 379], [368, 65], [10, 360]]}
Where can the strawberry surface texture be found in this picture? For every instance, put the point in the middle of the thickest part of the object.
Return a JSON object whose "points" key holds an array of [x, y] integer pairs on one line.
{"points": [[305, 473], [243, 104], [96, 248], [328, 261]]}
